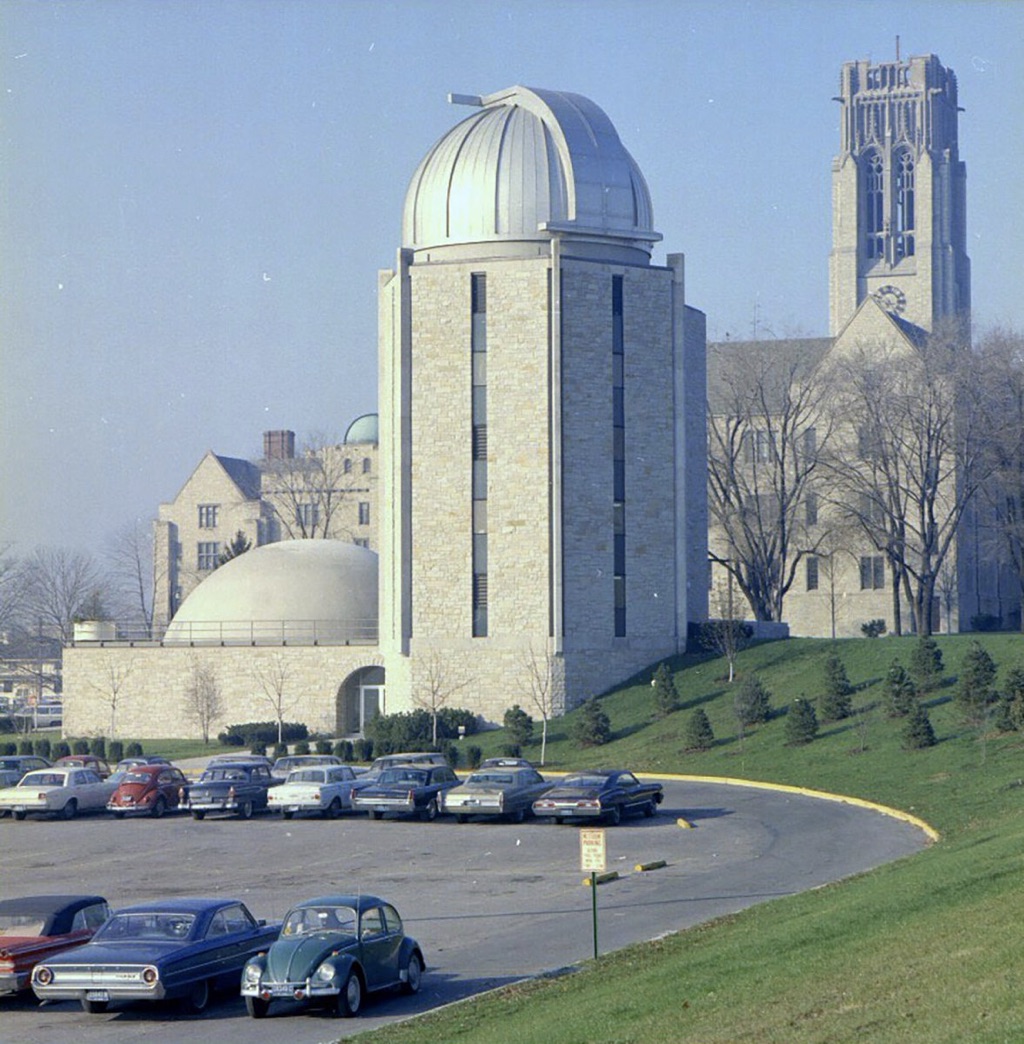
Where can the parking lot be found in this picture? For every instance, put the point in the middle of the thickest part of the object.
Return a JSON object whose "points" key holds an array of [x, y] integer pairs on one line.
{"points": [[490, 903]]}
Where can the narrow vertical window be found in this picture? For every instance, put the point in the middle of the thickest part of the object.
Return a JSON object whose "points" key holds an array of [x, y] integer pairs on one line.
{"points": [[904, 205], [618, 459], [874, 187], [478, 450], [812, 572]]}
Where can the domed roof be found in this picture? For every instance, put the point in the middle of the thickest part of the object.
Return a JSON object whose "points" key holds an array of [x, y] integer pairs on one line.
{"points": [[363, 429], [296, 590], [529, 163]]}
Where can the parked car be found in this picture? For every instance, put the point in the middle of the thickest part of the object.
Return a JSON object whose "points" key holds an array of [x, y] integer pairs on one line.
{"points": [[407, 790], [386, 761], [58, 789], [283, 766], [37, 927], [176, 948], [333, 951], [607, 794], [232, 788], [14, 766], [148, 790], [326, 789], [42, 716], [89, 761], [508, 792], [140, 759], [505, 762], [235, 759]]}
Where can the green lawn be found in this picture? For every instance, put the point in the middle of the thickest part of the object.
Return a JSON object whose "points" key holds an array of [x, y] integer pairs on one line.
{"points": [[924, 950]]}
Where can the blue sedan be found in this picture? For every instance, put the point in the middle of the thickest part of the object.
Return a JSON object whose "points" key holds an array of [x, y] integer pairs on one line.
{"points": [[176, 949], [607, 794], [410, 790]]}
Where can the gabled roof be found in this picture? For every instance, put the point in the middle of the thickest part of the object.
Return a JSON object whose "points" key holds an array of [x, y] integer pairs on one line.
{"points": [[243, 473], [800, 355]]}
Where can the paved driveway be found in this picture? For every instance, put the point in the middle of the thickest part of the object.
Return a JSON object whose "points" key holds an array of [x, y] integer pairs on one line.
{"points": [[489, 903]]}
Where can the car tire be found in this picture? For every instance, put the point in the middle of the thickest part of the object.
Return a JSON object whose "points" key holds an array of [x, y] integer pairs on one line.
{"points": [[430, 812], [198, 815], [350, 1000], [94, 1007], [649, 809], [376, 815], [19, 815], [159, 808], [413, 974], [119, 815], [70, 810], [287, 815], [460, 818], [257, 1007], [559, 820], [614, 815], [333, 809], [245, 810], [519, 815], [197, 998]]}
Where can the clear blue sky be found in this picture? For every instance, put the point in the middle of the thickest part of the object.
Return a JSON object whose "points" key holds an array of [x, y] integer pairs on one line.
{"points": [[196, 197]]}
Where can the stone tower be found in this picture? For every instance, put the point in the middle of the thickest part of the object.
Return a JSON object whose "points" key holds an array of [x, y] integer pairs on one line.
{"points": [[899, 195], [542, 389]]}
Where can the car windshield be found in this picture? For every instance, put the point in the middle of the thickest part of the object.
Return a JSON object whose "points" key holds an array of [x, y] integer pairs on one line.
{"points": [[306, 776], [147, 925], [22, 925], [136, 777], [413, 777], [307, 919], [43, 779], [219, 775], [491, 777]]}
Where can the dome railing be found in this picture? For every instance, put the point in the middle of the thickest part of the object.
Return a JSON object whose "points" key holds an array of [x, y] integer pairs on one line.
{"points": [[232, 632]]}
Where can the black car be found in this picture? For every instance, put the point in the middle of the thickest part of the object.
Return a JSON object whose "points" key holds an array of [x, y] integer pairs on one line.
{"points": [[408, 790], [607, 794], [230, 788]]}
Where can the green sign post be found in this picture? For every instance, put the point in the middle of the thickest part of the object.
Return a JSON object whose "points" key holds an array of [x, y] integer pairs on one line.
{"points": [[593, 858]]}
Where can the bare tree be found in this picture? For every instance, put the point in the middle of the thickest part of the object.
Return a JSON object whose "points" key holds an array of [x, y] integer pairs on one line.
{"points": [[203, 702], [435, 687], [273, 678], [725, 634], [915, 463], [542, 686], [130, 568], [12, 589], [1001, 357], [60, 585], [306, 492], [113, 687], [768, 426]]}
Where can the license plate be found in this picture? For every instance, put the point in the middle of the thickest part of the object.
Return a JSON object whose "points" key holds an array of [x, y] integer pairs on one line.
{"points": [[294, 808], [97, 995]]}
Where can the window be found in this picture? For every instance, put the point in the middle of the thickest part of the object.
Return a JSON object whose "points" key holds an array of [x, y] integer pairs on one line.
{"points": [[904, 205], [812, 572], [208, 555], [874, 215], [361, 542], [364, 513], [811, 509], [366, 465], [618, 460], [810, 443], [872, 572], [757, 446], [307, 515], [347, 466], [478, 448], [208, 516]]}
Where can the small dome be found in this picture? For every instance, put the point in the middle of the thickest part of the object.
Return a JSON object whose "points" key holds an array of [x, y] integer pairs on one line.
{"points": [[296, 590], [363, 429], [530, 163]]}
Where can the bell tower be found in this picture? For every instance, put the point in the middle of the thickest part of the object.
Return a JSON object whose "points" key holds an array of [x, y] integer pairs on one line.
{"points": [[899, 228]]}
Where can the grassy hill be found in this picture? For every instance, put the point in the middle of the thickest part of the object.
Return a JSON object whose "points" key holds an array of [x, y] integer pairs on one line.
{"points": [[923, 950]]}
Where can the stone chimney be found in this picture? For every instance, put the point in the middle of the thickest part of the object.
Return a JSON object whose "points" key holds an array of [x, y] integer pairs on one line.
{"points": [[279, 445]]}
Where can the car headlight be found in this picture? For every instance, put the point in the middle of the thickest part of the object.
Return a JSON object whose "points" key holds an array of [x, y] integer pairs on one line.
{"points": [[149, 975], [251, 973], [44, 976], [325, 972]]}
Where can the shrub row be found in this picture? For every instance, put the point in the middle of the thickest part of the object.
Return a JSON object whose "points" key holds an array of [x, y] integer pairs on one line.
{"points": [[110, 750], [265, 732]]}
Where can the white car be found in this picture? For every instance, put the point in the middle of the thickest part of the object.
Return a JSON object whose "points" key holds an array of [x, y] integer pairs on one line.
{"points": [[64, 791], [326, 789]]}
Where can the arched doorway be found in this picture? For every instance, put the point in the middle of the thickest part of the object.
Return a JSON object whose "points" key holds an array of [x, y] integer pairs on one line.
{"points": [[361, 697]]}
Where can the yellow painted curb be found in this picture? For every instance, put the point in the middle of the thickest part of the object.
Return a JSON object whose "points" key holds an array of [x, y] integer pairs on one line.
{"points": [[895, 813], [684, 823], [612, 875], [656, 865]]}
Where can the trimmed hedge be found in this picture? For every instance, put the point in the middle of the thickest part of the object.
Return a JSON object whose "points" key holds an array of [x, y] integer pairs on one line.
{"points": [[245, 735]]}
